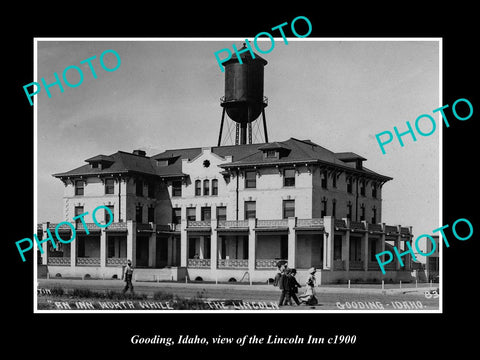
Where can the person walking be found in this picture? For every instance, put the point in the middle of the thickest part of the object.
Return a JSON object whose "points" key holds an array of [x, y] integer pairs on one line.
{"points": [[128, 274], [280, 281], [293, 287]]}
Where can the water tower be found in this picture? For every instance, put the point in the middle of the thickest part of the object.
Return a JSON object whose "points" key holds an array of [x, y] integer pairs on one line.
{"points": [[244, 101]]}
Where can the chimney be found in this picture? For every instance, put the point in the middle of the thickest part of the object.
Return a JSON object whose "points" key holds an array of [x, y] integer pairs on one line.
{"points": [[139, 152]]}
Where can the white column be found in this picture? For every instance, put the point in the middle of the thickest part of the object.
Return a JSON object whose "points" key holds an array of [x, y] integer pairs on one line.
{"points": [[45, 244], [183, 243], [346, 248], [132, 242], [152, 248], [213, 246], [328, 236], [292, 242], [103, 248], [251, 246], [365, 249]]}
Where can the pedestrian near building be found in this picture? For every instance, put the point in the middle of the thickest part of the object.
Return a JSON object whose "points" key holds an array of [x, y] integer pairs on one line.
{"points": [[280, 280], [293, 286], [309, 296], [128, 274]]}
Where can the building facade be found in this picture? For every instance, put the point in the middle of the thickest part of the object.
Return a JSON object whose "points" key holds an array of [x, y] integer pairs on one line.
{"points": [[227, 213]]}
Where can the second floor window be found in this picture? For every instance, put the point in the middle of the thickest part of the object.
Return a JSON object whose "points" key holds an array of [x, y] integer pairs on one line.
{"points": [[323, 179], [198, 188], [349, 211], [324, 208], [78, 210], [221, 213], [139, 214], [109, 186], [288, 208], [177, 188], [362, 188], [107, 215], [151, 214], [250, 179], [206, 213], [176, 215], [349, 185], [374, 191], [250, 210], [191, 214], [139, 187], [206, 187], [289, 177], [79, 184], [214, 187], [374, 215]]}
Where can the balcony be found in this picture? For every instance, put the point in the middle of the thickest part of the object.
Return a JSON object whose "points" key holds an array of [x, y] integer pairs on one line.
{"points": [[316, 223], [202, 224], [232, 224], [58, 261], [272, 225], [116, 261]]}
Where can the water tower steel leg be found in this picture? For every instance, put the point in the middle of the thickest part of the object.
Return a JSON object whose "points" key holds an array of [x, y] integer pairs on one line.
{"points": [[221, 128], [265, 125]]}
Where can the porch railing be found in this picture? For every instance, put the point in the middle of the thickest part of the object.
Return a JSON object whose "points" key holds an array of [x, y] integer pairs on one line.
{"points": [[88, 261], [116, 261], [272, 223], [267, 263], [198, 263], [232, 263], [310, 222], [58, 261], [198, 224], [232, 224]]}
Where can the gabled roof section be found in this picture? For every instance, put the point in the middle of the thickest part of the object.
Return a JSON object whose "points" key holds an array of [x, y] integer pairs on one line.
{"points": [[120, 162]]}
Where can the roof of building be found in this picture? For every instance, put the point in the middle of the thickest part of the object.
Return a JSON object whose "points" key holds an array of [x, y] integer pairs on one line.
{"points": [[293, 151]]}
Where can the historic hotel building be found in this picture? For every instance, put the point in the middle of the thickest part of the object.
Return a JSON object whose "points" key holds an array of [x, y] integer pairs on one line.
{"points": [[229, 213]]}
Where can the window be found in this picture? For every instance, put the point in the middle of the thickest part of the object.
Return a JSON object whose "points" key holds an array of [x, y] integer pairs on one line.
{"points": [[324, 208], [349, 211], [271, 154], [334, 207], [334, 180], [151, 190], [373, 249], [79, 184], [177, 188], [289, 177], [214, 187], [109, 186], [250, 210], [374, 191], [78, 210], [151, 214], [349, 185], [191, 214], [139, 213], [288, 208], [250, 179], [374, 216], [362, 212], [198, 187], [206, 187], [221, 213], [139, 187], [107, 215], [362, 187], [176, 215], [323, 179], [206, 213]]}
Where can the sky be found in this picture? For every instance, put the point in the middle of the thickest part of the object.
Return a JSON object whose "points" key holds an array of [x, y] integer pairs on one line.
{"points": [[165, 95]]}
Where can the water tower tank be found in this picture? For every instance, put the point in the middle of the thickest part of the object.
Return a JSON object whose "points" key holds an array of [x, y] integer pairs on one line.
{"points": [[244, 100]]}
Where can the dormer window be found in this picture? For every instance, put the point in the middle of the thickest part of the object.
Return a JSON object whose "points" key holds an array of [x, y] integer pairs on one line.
{"points": [[100, 162], [271, 154]]}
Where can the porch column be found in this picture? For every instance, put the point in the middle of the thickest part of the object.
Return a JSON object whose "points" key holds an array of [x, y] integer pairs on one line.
{"points": [[365, 247], [170, 250], [73, 254], [292, 242], [131, 241], [382, 242], [152, 248], [213, 245], [183, 243], [346, 248], [251, 246], [397, 244], [45, 244], [103, 248], [328, 236]]}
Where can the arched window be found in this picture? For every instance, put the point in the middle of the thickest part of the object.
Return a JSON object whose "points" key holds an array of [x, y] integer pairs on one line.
{"points": [[198, 188], [206, 187], [214, 187]]}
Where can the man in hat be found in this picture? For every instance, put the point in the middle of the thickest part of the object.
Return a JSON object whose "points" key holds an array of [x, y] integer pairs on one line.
{"points": [[128, 274]]}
